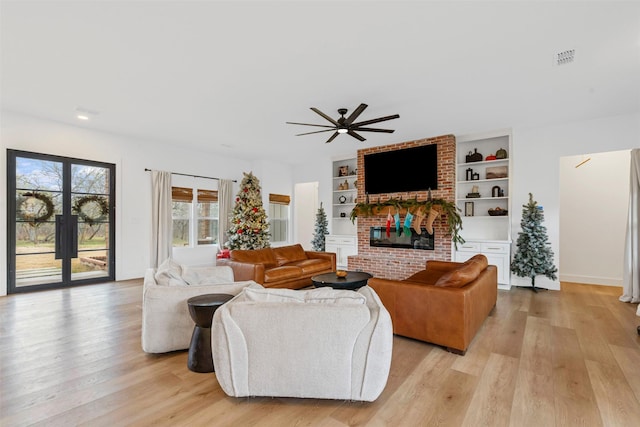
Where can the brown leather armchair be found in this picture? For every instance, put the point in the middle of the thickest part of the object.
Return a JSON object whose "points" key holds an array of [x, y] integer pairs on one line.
{"points": [[445, 304]]}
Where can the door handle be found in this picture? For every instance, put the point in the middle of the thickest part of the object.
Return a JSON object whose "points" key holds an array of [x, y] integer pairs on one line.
{"points": [[74, 236], [59, 236]]}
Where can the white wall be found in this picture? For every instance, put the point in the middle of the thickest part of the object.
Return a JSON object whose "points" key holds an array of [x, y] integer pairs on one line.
{"points": [[593, 212], [536, 167], [131, 156]]}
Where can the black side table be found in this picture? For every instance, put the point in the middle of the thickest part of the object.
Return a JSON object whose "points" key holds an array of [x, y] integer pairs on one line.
{"points": [[352, 281], [201, 309]]}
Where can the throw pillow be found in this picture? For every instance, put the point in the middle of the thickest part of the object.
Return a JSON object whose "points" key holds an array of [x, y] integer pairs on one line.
{"points": [[464, 274], [169, 273], [254, 256], [286, 254]]}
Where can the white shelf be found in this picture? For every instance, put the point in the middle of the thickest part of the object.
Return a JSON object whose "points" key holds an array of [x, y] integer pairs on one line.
{"points": [[484, 162], [343, 225], [472, 181], [471, 199], [483, 232]]}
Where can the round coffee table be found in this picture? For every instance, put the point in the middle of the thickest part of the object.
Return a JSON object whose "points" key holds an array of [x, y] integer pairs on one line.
{"points": [[352, 281], [201, 309]]}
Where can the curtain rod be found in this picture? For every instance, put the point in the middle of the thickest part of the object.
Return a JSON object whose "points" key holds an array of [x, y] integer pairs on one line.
{"points": [[193, 176]]}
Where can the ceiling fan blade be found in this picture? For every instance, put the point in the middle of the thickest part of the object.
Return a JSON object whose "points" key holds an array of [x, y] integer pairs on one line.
{"points": [[381, 119], [332, 137], [374, 130], [323, 115], [354, 115], [318, 131], [356, 136], [309, 124]]}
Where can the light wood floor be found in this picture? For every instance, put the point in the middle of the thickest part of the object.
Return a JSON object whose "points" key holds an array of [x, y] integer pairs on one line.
{"points": [[568, 358]]}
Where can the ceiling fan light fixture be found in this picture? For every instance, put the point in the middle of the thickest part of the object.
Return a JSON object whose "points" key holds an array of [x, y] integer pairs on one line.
{"points": [[346, 125]]}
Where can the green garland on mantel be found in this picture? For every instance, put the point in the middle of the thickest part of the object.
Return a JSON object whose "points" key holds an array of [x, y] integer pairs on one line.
{"points": [[449, 209]]}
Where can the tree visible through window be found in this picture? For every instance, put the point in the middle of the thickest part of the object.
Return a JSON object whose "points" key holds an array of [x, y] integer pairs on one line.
{"points": [[197, 226]]}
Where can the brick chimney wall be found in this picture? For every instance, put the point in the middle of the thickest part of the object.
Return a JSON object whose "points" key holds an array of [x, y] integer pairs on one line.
{"points": [[398, 263]]}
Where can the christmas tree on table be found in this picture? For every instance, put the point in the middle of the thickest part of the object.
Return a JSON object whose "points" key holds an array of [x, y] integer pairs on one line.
{"points": [[533, 255], [320, 231], [249, 226]]}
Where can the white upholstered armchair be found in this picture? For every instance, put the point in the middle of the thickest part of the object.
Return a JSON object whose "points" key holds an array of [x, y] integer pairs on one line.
{"points": [[166, 323], [321, 343]]}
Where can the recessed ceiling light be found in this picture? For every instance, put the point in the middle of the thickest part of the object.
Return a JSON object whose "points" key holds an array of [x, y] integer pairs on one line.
{"points": [[85, 113]]}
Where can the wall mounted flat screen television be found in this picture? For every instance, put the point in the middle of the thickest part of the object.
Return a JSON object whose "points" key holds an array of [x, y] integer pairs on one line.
{"points": [[409, 169]]}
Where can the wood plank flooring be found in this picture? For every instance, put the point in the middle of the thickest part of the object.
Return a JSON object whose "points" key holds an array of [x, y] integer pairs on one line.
{"points": [[556, 358]]}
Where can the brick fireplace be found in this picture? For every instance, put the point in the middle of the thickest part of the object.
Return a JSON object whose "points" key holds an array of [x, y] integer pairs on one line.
{"points": [[400, 263]]}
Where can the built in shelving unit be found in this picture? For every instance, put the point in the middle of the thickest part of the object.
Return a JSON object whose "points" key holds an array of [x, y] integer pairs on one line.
{"points": [[483, 196], [342, 239]]}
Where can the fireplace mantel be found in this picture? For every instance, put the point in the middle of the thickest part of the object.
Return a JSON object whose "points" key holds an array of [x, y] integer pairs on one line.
{"points": [[400, 263]]}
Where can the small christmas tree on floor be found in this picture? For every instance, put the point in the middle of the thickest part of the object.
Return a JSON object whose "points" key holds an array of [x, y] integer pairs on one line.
{"points": [[320, 231], [533, 255], [249, 226]]}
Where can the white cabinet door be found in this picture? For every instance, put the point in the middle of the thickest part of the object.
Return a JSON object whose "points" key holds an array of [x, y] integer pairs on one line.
{"points": [[497, 253], [343, 247]]}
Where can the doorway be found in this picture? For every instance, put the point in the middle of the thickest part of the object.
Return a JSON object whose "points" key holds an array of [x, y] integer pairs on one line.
{"points": [[61, 221], [306, 207], [594, 195]]}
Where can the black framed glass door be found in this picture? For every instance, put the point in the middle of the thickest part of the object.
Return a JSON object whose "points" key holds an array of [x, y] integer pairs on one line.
{"points": [[61, 228]]}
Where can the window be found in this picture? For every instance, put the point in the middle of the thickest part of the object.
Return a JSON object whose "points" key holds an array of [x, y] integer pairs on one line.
{"points": [[181, 213], [279, 217], [207, 217], [197, 226]]}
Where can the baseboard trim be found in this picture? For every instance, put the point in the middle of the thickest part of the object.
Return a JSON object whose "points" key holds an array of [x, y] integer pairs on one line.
{"points": [[591, 280]]}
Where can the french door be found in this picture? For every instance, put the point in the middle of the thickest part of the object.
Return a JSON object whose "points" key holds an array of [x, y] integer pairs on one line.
{"points": [[60, 221]]}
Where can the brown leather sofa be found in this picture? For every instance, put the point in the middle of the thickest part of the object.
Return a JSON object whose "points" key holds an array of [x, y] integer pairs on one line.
{"points": [[445, 304], [283, 267]]}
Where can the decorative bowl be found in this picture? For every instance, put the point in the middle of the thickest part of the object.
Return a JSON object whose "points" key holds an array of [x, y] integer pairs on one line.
{"points": [[498, 212], [341, 273]]}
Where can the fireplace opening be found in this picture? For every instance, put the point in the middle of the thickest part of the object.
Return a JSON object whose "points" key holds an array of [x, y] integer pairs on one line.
{"points": [[378, 238]]}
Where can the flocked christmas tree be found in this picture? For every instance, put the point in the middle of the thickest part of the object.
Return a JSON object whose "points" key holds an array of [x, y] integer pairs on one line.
{"points": [[533, 254], [249, 226], [320, 231]]}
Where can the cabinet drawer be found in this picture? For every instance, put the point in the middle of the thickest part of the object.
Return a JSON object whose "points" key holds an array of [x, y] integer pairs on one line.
{"points": [[340, 240], [469, 247], [495, 248]]}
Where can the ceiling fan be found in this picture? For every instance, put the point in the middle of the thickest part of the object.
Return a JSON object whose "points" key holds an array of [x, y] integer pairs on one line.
{"points": [[346, 124]]}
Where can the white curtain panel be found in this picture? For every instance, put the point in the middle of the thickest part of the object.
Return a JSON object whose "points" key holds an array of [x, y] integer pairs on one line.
{"points": [[225, 206], [161, 220], [631, 273]]}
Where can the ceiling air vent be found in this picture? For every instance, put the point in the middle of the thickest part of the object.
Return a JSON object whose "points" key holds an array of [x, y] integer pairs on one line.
{"points": [[564, 57]]}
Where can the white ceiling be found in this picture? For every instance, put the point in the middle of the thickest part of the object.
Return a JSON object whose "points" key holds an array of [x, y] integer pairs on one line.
{"points": [[226, 76]]}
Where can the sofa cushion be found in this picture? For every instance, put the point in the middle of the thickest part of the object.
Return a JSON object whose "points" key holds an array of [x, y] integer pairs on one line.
{"points": [[209, 275], [311, 265], [428, 277], [282, 273], [255, 256], [271, 295], [287, 254], [465, 274], [169, 273], [312, 296], [328, 295]]}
